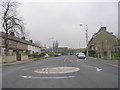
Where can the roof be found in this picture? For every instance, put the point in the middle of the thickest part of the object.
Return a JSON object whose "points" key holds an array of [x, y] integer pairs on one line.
{"points": [[102, 29], [10, 37]]}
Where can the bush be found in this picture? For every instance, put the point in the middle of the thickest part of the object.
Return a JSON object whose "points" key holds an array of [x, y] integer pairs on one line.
{"points": [[36, 56], [115, 56], [42, 54], [92, 53]]}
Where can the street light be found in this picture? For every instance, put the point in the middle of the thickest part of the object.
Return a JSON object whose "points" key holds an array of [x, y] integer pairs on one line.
{"points": [[86, 38]]}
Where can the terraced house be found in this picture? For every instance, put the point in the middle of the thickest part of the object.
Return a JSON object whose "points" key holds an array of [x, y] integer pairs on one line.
{"points": [[19, 48], [103, 44]]}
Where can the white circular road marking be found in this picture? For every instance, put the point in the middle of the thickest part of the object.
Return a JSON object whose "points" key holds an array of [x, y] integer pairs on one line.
{"points": [[30, 77], [54, 70], [57, 70]]}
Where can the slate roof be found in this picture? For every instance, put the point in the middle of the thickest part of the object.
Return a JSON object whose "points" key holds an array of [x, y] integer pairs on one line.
{"points": [[10, 37]]}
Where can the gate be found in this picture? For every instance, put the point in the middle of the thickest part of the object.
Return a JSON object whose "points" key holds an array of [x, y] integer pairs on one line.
{"points": [[18, 55]]}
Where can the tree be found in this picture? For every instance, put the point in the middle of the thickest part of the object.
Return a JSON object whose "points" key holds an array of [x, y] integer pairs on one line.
{"points": [[38, 43], [10, 20]]}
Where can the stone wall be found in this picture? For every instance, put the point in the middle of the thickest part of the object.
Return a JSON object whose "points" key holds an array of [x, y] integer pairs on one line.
{"points": [[8, 59], [12, 58], [24, 57]]}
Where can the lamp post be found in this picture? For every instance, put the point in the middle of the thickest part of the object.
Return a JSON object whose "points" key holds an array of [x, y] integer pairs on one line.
{"points": [[86, 39]]}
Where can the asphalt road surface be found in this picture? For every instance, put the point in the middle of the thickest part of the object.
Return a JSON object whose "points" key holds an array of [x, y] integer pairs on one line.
{"points": [[60, 72]]}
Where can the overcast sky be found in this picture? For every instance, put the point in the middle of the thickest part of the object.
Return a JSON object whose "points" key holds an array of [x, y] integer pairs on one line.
{"points": [[61, 20]]}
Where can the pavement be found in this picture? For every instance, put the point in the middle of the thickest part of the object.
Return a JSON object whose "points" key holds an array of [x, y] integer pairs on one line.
{"points": [[18, 62], [109, 62], [60, 72]]}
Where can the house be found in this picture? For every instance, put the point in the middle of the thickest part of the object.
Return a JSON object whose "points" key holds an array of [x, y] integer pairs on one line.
{"points": [[19, 48], [102, 44], [33, 49]]}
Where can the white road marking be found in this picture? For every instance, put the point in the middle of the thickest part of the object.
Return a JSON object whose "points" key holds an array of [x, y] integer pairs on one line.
{"points": [[46, 70], [29, 77], [98, 69], [65, 59], [43, 69], [57, 70]]}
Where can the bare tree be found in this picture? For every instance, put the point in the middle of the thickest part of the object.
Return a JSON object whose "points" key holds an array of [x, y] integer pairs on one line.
{"points": [[27, 34], [10, 19], [38, 43]]}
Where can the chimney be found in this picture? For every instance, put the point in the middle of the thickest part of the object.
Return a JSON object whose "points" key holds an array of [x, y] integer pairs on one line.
{"points": [[102, 29], [111, 33], [31, 41], [23, 38], [12, 33], [94, 34]]}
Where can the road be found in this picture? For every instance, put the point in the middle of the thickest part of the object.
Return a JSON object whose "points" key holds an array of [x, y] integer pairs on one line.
{"points": [[60, 72]]}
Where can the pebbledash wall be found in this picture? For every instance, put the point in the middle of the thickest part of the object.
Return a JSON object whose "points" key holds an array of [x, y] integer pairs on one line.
{"points": [[103, 43], [18, 49]]}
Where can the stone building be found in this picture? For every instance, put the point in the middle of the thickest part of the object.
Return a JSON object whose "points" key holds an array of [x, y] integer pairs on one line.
{"points": [[102, 44], [19, 48]]}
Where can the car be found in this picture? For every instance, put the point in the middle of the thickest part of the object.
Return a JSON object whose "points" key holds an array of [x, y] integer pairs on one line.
{"points": [[81, 56], [76, 54], [57, 54], [46, 55]]}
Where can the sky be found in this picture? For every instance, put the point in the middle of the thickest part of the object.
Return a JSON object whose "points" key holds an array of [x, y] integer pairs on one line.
{"points": [[48, 21]]}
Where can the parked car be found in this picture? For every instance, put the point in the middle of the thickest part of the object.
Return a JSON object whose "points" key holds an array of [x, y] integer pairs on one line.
{"points": [[46, 55], [57, 54], [71, 53], [76, 54], [81, 56]]}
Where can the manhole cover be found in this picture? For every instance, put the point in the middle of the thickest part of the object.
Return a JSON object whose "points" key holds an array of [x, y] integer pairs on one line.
{"points": [[57, 70]]}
